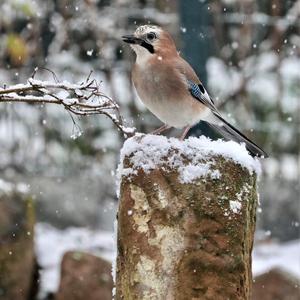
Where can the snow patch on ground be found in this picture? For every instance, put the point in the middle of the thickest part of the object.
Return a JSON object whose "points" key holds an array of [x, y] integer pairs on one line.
{"points": [[51, 244], [285, 257]]}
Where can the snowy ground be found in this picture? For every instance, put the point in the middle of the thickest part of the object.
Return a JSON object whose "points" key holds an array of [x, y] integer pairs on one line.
{"points": [[285, 257], [52, 243]]}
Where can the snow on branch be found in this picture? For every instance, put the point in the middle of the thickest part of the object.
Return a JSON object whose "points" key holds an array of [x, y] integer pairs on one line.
{"points": [[83, 99]]}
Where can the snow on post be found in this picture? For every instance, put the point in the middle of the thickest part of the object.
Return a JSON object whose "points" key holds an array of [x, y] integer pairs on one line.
{"points": [[186, 219]]}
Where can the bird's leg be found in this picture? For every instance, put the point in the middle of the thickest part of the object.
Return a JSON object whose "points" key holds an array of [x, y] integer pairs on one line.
{"points": [[184, 133], [161, 129]]}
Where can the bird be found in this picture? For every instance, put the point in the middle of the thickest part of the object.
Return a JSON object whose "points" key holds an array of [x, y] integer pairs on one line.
{"points": [[169, 87]]}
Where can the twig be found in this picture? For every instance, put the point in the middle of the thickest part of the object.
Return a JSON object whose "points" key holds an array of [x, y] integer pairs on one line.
{"points": [[81, 99]]}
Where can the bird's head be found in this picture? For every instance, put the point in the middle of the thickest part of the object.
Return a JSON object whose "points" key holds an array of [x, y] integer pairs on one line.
{"points": [[149, 40]]}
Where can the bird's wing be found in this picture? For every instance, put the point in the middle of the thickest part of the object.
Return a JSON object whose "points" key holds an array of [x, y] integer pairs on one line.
{"points": [[198, 91], [194, 85], [224, 128]]}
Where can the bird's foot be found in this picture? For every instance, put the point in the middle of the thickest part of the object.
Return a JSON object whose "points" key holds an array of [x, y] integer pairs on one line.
{"points": [[185, 132], [161, 129]]}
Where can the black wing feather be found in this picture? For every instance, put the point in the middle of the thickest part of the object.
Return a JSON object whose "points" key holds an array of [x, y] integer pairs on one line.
{"points": [[228, 131], [199, 93]]}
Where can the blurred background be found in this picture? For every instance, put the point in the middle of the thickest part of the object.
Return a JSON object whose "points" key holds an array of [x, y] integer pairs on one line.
{"points": [[57, 179]]}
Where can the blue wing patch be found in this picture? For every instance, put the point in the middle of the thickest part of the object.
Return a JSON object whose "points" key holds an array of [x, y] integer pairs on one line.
{"points": [[195, 89], [199, 92]]}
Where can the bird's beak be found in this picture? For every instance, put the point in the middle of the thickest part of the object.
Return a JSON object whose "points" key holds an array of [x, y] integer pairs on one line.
{"points": [[131, 39]]}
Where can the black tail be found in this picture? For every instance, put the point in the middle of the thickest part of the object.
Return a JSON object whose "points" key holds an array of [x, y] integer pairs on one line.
{"points": [[231, 133]]}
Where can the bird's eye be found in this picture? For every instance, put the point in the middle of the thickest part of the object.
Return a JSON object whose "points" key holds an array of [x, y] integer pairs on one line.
{"points": [[151, 36]]}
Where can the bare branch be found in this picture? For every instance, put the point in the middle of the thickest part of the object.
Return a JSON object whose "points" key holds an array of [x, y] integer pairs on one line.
{"points": [[81, 99]]}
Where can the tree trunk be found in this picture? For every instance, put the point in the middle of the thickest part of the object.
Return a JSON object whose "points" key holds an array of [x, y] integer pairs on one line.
{"points": [[186, 220]]}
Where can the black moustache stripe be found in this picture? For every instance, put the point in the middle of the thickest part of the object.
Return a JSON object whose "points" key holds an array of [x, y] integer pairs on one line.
{"points": [[148, 46]]}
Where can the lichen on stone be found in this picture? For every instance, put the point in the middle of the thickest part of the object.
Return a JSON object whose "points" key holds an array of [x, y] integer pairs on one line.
{"points": [[140, 210], [147, 273]]}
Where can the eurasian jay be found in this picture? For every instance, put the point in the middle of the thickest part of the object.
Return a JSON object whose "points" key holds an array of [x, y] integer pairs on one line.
{"points": [[171, 90]]}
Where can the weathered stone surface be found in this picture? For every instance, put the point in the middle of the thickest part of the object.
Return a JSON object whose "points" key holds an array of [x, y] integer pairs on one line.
{"points": [[17, 263], [276, 284], [84, 277], [185, 241]]}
